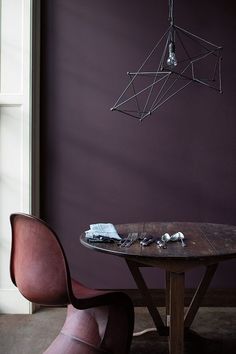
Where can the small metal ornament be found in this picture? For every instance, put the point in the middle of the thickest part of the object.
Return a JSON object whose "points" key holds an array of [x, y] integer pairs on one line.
{"points": [[164, 239], [178, 236]]}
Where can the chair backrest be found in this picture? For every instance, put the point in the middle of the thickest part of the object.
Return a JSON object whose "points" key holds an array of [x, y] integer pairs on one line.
{"points": [[38, 265]]}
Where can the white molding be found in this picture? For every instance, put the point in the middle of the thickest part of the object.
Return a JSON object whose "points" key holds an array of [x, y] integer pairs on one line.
{"points": [[15, 303], [11, 100], [16, 129], [35, 108]]}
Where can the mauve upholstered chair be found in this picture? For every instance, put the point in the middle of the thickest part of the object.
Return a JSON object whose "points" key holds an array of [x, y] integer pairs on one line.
{"points": [[96, 322]]}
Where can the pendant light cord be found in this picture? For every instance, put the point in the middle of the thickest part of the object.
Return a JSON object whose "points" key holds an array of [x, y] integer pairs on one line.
{"points": [[171, 12]]}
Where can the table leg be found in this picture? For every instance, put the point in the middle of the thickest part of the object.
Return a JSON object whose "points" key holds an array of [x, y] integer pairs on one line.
{"points": [[176, 337], [138, 278], [199, 294], [167, 298]]}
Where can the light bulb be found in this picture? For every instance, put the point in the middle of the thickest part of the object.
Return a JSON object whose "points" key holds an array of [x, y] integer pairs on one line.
{"points": [[171, 61]]}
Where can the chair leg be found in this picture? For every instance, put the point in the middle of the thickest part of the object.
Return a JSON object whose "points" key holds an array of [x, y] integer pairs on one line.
{"points": [[105, 329], [64, 344], [119, 331], [80, 333]]}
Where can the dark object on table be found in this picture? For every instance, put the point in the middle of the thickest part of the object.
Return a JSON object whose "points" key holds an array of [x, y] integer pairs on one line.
{"points": [[148, 240], [101, 238]]}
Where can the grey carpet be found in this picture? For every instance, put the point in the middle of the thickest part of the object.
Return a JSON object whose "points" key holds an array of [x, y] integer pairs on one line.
{"points": [[214, 331], [31, 334]]}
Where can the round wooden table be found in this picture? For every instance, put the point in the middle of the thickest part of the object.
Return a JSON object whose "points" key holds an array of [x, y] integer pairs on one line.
{"points": [[206, 244]]}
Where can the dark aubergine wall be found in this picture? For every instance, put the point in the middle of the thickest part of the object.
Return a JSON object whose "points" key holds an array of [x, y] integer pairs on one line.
{"points": [[100, 166]]}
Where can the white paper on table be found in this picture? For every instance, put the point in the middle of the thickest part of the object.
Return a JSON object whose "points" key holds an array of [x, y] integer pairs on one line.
{"points": [[102, 229]]}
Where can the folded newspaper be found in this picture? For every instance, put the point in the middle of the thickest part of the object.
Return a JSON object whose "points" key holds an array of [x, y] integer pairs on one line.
{"points": [[102, 229]]}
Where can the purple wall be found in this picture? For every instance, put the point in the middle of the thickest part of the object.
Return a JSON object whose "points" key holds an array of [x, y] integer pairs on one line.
{"points": [[99, 166]]}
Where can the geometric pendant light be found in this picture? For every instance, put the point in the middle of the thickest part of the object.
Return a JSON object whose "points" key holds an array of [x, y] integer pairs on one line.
{"points": [[179, 58]]}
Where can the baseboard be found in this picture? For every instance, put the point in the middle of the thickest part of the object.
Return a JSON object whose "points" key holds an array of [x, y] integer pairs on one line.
{"points": [[213, 297], [12, 302]]}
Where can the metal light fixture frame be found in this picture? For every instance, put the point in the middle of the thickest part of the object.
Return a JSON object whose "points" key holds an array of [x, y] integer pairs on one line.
{"points": [[171, 75]]}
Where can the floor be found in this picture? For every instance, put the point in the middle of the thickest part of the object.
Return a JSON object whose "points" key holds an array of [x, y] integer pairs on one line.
{"points": [[215, 330]]}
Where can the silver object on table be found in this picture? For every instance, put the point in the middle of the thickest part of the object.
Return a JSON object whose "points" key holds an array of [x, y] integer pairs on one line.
{"points": [[147, 240], [129, 240], [178, 236], [164, 239]]}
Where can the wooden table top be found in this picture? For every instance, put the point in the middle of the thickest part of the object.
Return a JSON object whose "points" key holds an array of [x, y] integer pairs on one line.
{"points": [[205, 242]]}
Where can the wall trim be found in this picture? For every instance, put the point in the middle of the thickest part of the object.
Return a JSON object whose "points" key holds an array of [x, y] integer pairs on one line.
{"points": [[15, 303], [35, 108], [213, 297]]}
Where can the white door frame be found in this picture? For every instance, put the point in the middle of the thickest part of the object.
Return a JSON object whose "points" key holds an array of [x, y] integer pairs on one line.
{"points": [[19, 130]]}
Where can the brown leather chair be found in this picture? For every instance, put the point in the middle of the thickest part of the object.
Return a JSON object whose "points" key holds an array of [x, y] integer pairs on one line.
{"points": [[96, 322]]}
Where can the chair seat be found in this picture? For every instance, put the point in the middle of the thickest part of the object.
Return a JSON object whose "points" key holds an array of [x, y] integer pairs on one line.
{"points": [[97, 321], [84, 297]]}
